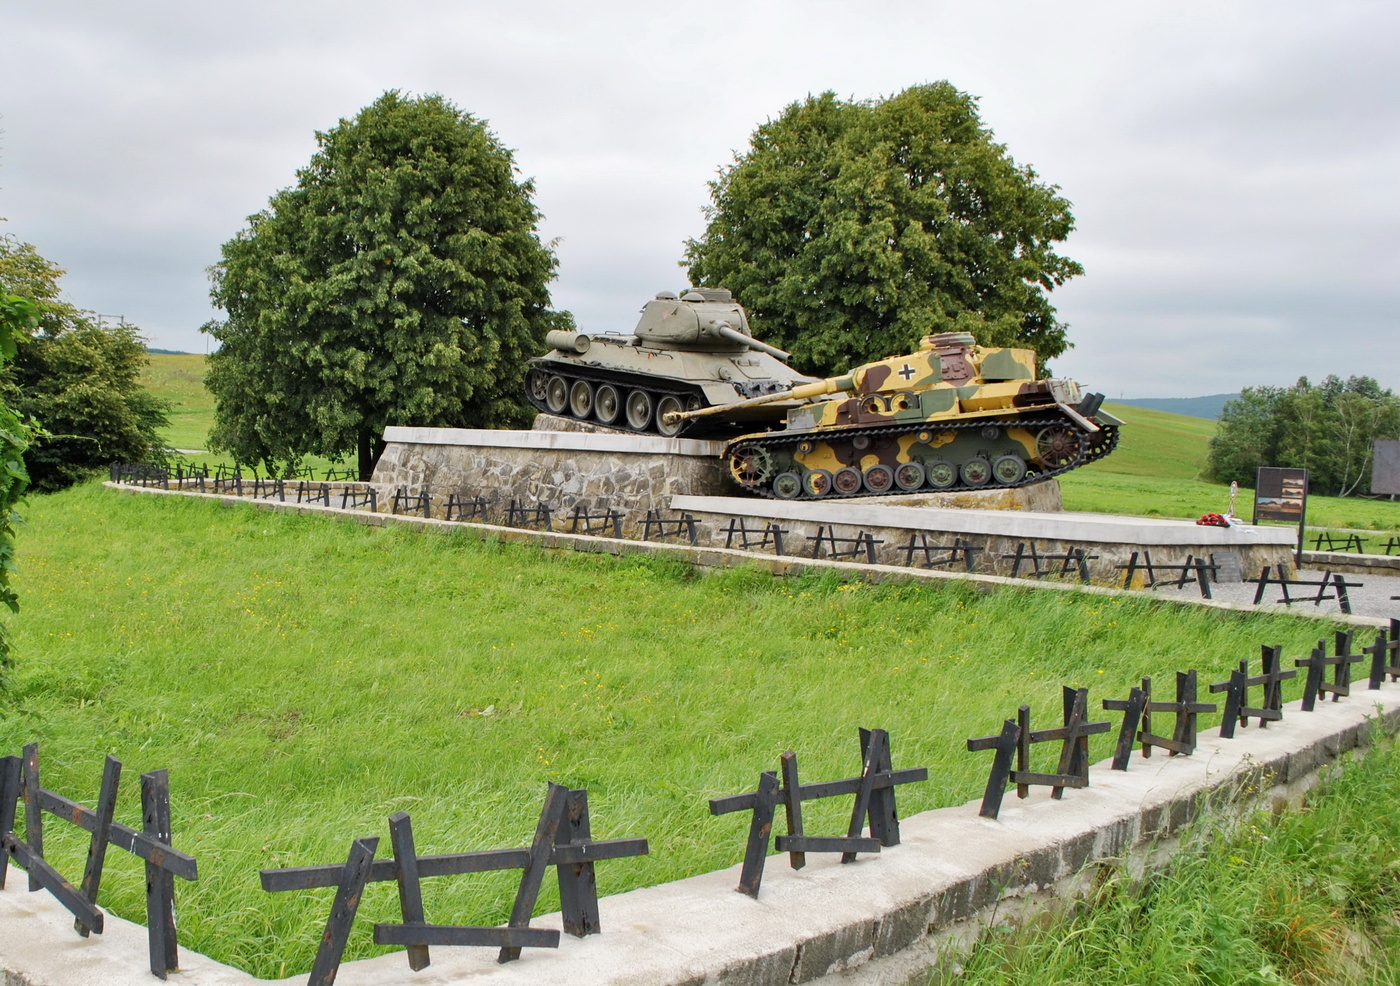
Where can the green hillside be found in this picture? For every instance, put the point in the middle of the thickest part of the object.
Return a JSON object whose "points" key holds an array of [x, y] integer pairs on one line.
{"points": [[180, 380]]}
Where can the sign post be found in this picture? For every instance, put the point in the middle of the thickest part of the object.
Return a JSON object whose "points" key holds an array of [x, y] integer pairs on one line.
{"points": [[1282, 494]]}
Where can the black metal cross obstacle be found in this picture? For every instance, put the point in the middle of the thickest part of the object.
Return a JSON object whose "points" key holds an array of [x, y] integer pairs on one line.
{"points": [[1237, 707], [874, 803], [1330, 581], [842, 548], [1385, 655], [1073, 559], [405, 503], [461, 507], [658, 528], [596, 523], [1316, 683], [1139, 708], [959, 551], [519, 515], [1017, 737], [562, 839], [19, 781], [353, 499], [752, 538]]}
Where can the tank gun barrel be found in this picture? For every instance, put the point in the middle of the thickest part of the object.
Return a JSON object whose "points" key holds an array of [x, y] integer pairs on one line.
{"points": [[831, 385], [726, 332]]}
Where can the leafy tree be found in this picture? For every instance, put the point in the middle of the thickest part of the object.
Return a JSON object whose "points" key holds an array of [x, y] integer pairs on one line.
{"points": [[852, 229], [1247, 436], [402, 281], [1328, 429], [77, 376], [17, 317]]}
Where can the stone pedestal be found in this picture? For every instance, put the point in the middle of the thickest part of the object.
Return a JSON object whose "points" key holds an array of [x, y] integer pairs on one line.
{"points": [[595, 471]]}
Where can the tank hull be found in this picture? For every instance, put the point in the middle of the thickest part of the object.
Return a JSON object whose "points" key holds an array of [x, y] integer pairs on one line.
{"points": [[975, 451], [954, 416], [686, 354]]}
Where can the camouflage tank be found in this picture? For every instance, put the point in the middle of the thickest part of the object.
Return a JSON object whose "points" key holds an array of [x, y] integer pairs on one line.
{"points": [[687, 353], [953, 416]]}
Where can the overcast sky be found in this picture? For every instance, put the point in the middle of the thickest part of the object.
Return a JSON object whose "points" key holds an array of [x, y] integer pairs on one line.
{"points": [[1232, 166]]}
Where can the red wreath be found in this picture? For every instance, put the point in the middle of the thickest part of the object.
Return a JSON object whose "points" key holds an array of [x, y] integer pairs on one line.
{"points": [[1213, 520]]}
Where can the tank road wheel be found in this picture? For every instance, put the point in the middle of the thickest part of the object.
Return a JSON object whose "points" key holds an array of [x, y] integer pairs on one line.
{"points": [[1057, 446], [581, 399], [941, 474], [669, 405], [556, 394], [537, 385], [817, 483], [846, 481], [878, 479], [1009, 469], [976, 471], [607, 403], [639, 410], [750, 465], [787, 486], [909, 475]]}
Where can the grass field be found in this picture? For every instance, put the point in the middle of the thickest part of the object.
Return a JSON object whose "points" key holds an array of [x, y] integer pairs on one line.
{"points": [[303, 678], [1305, 896]]}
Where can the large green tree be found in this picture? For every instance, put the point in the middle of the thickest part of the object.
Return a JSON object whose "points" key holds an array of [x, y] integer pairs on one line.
{"points": [[402, 281], [77, 376], [852, 229], [1328, 429]]}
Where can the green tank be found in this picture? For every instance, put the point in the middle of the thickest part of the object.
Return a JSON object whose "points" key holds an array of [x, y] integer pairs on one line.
{"points": [[687, 353], [953, 416]]}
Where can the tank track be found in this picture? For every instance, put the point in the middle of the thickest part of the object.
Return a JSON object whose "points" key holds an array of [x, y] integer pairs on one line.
{"points": [[683, 392], [1086, 453]]}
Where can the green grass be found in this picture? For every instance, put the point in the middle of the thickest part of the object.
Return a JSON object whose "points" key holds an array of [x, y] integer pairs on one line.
{"points": [[180, 380], [1307, 896], [302, 678]]}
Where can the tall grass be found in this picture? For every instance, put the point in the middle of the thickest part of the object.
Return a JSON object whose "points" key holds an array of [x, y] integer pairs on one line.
{"points": [[1307, 896], [303, 678]]}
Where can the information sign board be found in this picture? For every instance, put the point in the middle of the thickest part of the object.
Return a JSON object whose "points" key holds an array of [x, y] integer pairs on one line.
{"points": [[1282, 494]]}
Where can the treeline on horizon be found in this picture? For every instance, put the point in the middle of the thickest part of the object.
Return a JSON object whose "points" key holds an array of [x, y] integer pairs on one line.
{"points": [[1328, 429]]}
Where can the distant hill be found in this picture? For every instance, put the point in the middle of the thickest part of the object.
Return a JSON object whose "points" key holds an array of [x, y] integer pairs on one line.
{"points": [[1192, 407], [181, 352]]}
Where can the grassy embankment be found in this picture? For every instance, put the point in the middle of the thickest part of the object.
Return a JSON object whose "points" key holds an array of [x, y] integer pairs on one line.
{"points": [[1307, 896], [303, 678]]}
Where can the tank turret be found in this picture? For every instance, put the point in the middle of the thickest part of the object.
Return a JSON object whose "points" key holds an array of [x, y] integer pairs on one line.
{"points": [[688, 352], [954, 415]]}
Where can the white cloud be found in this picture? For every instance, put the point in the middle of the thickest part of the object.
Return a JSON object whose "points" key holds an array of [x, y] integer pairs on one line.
{"points": [[1230, 165]]}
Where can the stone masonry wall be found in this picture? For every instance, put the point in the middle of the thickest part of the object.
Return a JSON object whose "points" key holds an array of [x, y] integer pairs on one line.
{"points": [[629, 482]]}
